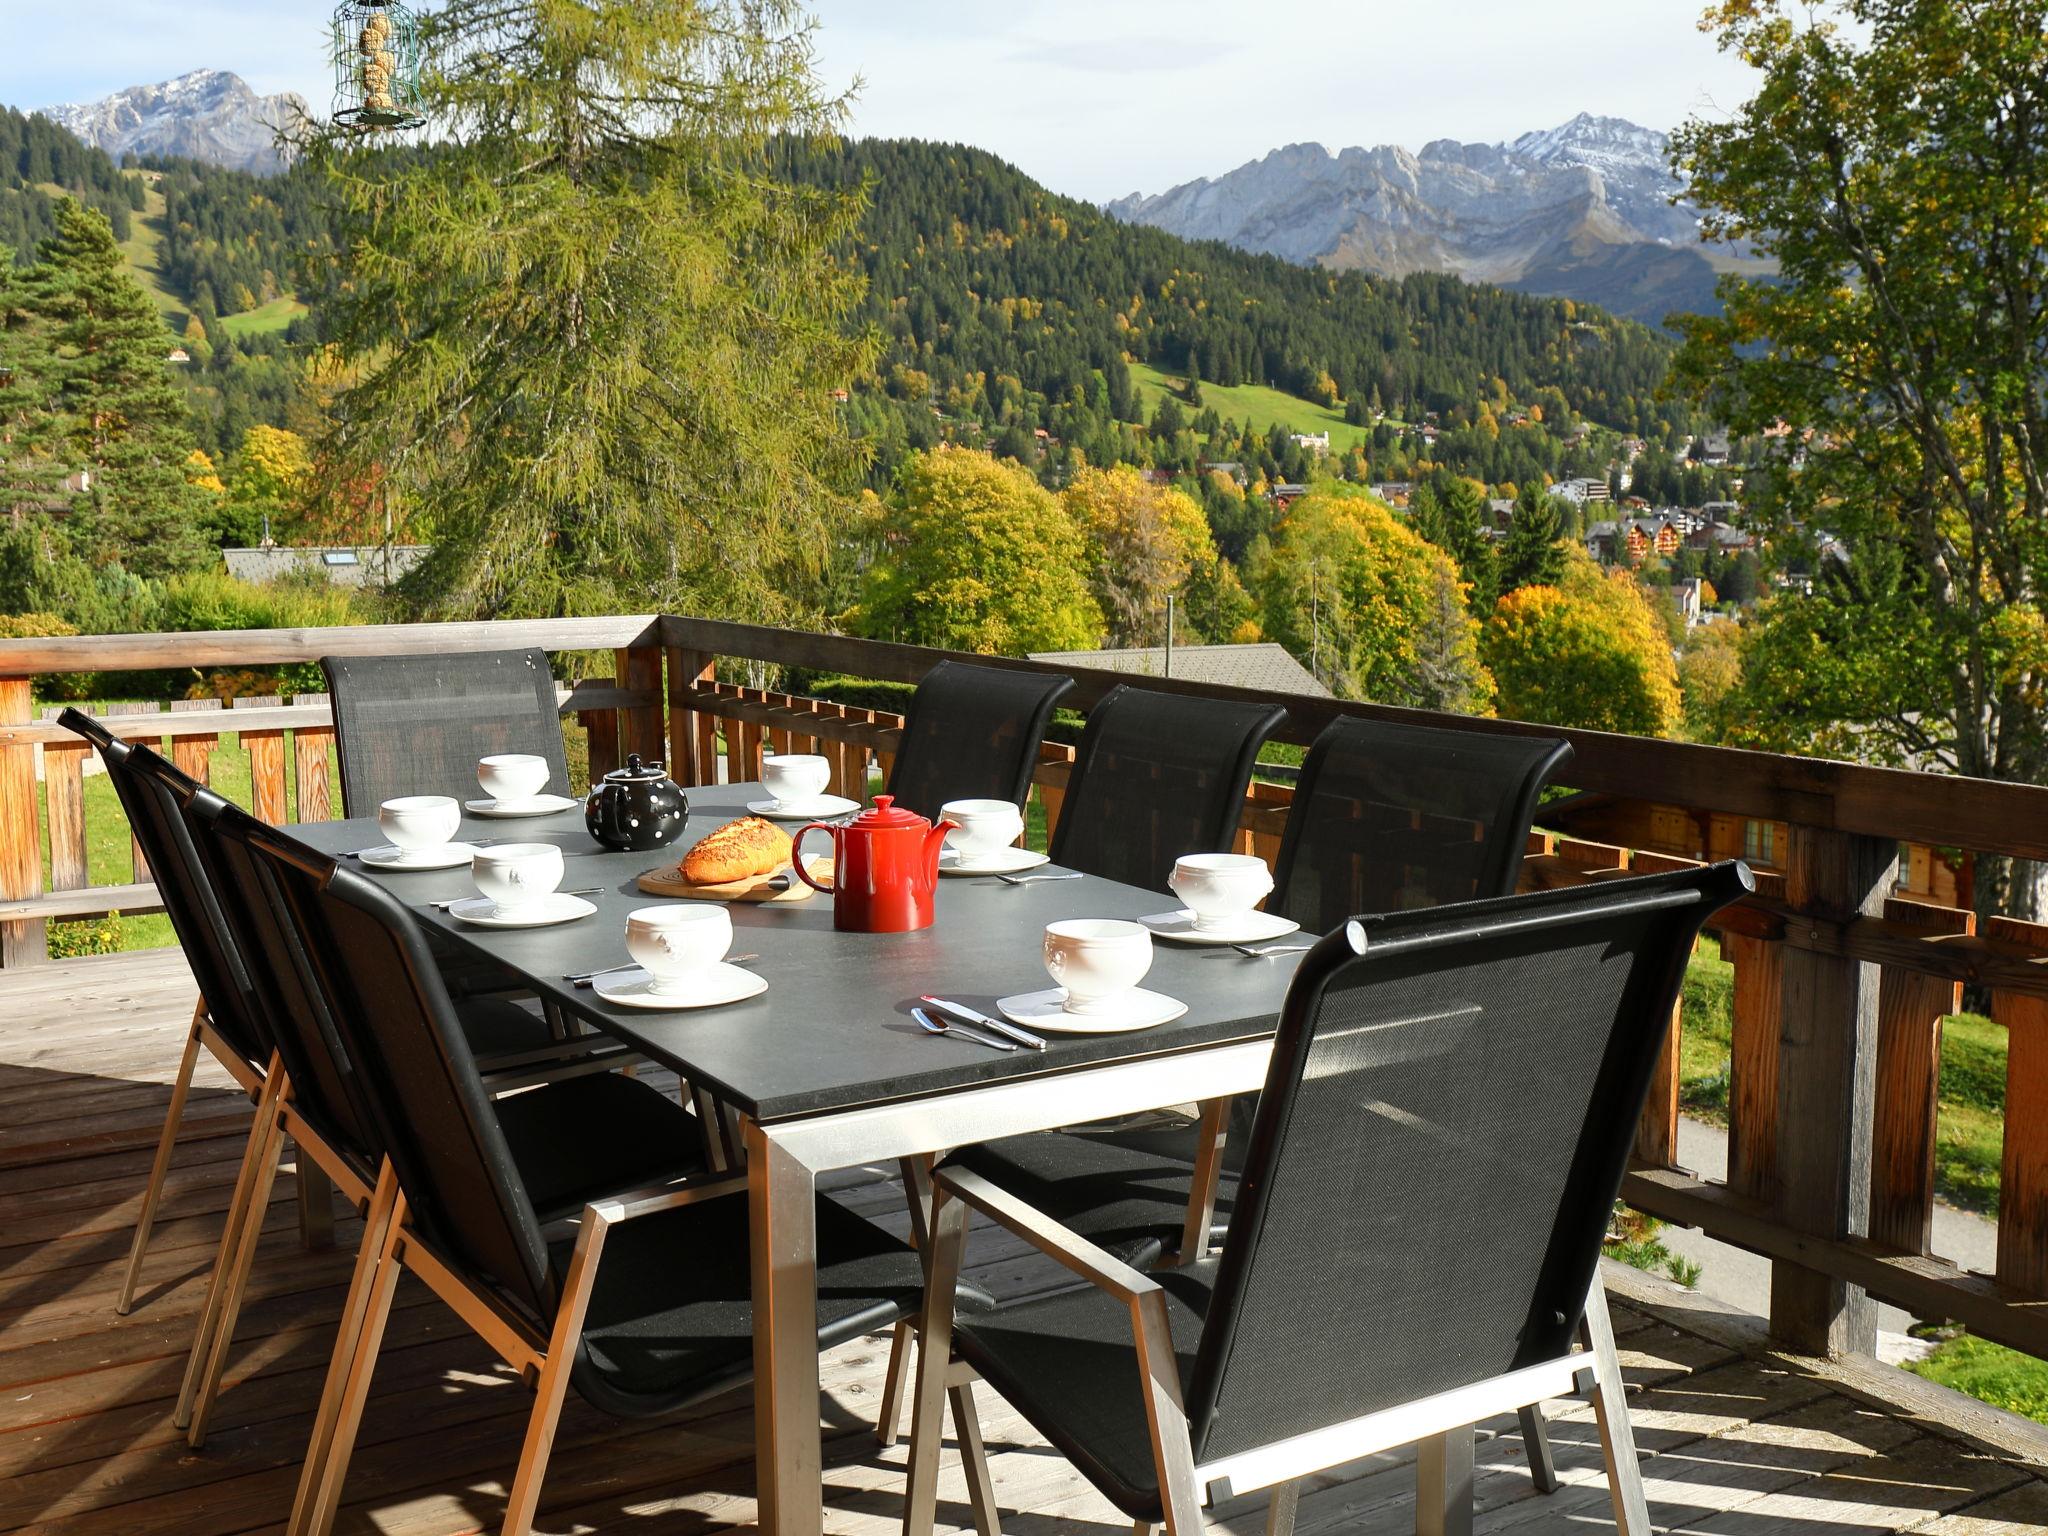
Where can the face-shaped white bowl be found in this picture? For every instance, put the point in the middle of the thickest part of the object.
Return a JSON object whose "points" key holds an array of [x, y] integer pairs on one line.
{"points": [[1219, 887], [512, 775], [1097, 960], [795, 777], [516, 875], [419, 821], [673, 943]]}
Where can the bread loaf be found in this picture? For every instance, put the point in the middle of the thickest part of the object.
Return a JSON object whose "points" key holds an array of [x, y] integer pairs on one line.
{"points": [[739, 850]]}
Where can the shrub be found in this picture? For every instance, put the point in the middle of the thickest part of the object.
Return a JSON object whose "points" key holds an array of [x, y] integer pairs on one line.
{"points": [[87, 936]]}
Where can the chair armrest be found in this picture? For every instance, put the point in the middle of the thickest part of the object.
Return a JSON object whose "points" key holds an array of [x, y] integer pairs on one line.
{"points": [[645, 1201], [1094, 1264]]}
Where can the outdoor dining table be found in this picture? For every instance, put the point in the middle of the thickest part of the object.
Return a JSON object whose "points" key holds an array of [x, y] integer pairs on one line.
{"points": [[827, 1070]]}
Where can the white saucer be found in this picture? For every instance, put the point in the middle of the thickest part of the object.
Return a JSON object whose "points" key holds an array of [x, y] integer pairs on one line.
{"points": [[533, 805], [1048, 1010], [804, 810], [556, 907], [634, 988], [1249, 928], [440, 856], [1005, 861]]}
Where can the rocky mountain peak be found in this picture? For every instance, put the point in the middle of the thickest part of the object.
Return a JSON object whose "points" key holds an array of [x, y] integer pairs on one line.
{"points": [[208, 114]]}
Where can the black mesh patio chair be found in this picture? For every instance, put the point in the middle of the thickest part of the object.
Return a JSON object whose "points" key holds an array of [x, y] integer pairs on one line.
{"points": [[1444, 1127], [1389, 817], [646, 1309], [1158, 775], [972, 733], [1386, 818], [224, 1019], [417, 725], [576, 1136]]}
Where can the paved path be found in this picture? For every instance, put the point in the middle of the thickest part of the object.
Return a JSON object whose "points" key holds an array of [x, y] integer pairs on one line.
{"points": [[1743, 1279]]}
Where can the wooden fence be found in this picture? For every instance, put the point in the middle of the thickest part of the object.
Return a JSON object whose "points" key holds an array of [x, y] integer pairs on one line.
{"points": [[1839, 986]]}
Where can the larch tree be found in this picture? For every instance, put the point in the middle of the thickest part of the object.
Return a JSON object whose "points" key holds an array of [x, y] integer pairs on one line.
{"points": [[1146, 543], [1893, 163], [592, 339], [1587, 652]]}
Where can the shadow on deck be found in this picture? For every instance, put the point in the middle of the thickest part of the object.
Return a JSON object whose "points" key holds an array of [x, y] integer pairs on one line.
{"points": [[1736, 1439]]}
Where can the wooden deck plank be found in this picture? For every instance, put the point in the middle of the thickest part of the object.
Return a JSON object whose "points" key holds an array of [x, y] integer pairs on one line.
{"points": [[1734, 1440]]}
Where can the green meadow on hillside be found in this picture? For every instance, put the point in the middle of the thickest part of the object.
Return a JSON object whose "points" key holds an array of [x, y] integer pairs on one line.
{"points": [[1254, 403]]}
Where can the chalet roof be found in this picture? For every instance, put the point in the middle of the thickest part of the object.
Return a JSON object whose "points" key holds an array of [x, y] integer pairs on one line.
{"points": [[342, 565], [1264, 665]]}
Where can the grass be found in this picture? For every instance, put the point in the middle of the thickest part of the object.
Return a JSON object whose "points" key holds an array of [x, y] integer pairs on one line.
{"points": [[1989, 1372], [265, 319], [1970, 1118], [1255, 404], [141, 249]]}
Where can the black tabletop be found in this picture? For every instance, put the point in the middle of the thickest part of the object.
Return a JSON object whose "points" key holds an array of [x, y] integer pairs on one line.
{"points": [[833, 1030]]}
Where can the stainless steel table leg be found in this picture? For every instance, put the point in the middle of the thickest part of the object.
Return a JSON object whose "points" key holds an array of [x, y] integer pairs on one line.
{"points": [[788, 1458]]}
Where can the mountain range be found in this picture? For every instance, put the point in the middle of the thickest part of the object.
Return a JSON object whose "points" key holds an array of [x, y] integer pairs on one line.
{"points": [[208, 115], [1582, 211]]}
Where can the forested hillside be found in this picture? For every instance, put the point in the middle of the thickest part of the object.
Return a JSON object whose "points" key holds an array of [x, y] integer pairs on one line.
{"points": [[1006, 304], [36, 156]]}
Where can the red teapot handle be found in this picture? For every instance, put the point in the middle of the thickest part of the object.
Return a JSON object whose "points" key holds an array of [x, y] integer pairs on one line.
{"points": [[796, 856]]}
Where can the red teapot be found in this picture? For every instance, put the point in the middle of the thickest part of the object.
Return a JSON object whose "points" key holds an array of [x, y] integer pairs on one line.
{"points": [[885, 867]]}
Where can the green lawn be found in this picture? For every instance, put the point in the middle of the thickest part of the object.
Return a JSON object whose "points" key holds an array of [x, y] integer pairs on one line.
{"points": [[264, 319], [1261, 407], [1989, 1372]]}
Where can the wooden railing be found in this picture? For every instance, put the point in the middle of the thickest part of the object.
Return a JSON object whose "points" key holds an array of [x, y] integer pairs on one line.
{"points": [[1839, 986]]}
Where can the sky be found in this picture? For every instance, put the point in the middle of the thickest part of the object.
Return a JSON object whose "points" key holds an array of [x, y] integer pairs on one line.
{"points": [[1095, 98]]}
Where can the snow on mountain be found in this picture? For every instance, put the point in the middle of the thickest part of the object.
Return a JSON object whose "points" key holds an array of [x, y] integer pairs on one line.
{"points": [[208, 115], [1564, 210]]}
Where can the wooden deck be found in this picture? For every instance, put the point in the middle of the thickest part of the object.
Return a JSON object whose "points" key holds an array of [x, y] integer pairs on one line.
{"points": [[1736, 1440]]}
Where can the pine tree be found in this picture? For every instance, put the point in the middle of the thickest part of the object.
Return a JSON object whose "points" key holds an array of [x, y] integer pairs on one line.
{"points": [[597, 338], [124, 415], [1533, 555]]}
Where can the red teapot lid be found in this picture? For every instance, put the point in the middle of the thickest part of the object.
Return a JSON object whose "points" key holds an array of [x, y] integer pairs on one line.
{"points": [[886, 813]]}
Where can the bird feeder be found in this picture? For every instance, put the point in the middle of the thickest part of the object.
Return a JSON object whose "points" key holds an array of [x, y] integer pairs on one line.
{"points": [[376, 67]]}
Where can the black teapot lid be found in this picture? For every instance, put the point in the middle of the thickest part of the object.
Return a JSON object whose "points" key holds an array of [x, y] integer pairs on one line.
{"points": [[635, 771]]}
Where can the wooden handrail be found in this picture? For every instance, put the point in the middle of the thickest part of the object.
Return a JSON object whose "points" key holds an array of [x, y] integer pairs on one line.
{"points": [[1983, 815]]}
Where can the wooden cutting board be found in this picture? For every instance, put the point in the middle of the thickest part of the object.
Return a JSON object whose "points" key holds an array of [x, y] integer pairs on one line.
{"points": [[667, 880]]}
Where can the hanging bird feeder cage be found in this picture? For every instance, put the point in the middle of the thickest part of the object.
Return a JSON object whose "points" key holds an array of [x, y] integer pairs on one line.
{"points": [[376, 66]]}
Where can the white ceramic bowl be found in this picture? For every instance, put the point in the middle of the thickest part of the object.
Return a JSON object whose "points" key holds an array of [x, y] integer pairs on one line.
{"points": [[419, 821], [1097, 959], [982, 828], [1219, 887], [516, 875], [512, 776], [795, 777], [674, 943]]}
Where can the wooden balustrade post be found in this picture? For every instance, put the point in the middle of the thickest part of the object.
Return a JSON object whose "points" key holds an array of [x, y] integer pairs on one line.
{"points": [[312, 781], [1759, 966], [689, 763], [266, 762], [640, 727], [1657, 1131], [1827, 1061], [1910, 1009], [2023, 1170], [21, 860], [138, 861]]}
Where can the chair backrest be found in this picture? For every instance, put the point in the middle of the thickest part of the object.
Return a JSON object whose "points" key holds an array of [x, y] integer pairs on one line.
{"points": [[147, 786], [1444, 1128], [430, 1111], [309, 1042], [416, 725], [972, 733], [1158, 775], [1390, 817]]}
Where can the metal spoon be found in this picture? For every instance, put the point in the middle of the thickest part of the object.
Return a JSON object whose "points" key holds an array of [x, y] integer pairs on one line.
{"points": [[1260, 951], [590, 890], [1066, 874], [585, 978], [932, 1026]]}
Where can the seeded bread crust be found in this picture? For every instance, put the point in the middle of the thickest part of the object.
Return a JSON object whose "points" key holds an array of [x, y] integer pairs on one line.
{"points": [[738, 850]]}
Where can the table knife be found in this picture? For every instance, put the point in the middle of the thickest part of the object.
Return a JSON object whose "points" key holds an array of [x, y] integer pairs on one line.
{"points": [[1003, 1027]]}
